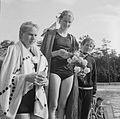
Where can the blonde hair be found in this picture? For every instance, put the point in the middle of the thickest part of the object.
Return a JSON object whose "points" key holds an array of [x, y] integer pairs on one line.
{"points": [[88, 39], [65, 13], [25, 26]]}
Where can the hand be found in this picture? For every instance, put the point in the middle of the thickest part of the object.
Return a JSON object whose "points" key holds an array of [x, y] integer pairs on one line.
{"points": [[31, 77], [81, 75], [41, 78], [38, 79], [64, 54], [42, 82]]}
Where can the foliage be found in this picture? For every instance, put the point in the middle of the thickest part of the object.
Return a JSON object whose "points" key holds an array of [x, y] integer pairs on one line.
{"points": [[108, 63], [107, 60], [3, 49]]}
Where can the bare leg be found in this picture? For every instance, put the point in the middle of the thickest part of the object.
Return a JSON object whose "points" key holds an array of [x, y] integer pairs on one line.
{"points": [[35, 117], [27, 116], [54, 85], [66, 87], [23, 116]]}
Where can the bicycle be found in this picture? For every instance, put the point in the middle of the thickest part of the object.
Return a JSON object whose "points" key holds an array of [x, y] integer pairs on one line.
{"points": [[96, 111]]}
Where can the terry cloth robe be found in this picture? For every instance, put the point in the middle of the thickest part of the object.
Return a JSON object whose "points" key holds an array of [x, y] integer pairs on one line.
{"points": [[72, 102], [17, 63]]}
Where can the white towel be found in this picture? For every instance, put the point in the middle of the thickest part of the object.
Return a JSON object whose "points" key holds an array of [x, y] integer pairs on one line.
{"points": [[17, 63]]}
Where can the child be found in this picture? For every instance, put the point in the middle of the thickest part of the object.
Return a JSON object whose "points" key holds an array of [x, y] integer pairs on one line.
{"points": [[99, 109], [87, 84]]}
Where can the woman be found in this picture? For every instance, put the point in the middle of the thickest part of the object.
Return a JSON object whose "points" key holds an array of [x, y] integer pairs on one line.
{"points": [[58, 46], [23, 75], [87, 84]]}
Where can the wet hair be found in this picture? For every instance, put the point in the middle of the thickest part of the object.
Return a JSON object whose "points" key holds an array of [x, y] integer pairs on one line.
{"points": [[65, 13], [88, 39], [26, 26]]}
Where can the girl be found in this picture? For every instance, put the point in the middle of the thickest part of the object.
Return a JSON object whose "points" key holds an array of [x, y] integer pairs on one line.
{"points": [[57, 47], [87, 84]]}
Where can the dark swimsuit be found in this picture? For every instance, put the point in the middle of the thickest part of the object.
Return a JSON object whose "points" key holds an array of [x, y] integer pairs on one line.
{"points": [[27, 103], [59, 65]]}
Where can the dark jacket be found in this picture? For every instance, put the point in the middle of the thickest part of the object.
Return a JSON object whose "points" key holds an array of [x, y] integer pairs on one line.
{"points": [[90, 79]]}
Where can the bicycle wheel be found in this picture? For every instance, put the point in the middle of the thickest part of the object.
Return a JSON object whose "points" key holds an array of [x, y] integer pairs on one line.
{"points": [[91, 114]]}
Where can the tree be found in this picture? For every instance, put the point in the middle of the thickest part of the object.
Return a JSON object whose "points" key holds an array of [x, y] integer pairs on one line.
{"points": [[3, 49]]}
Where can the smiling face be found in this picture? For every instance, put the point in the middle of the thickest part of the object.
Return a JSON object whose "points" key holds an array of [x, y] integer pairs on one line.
{"points": [[65, 22], [65, 19], [87, 47], [29, 37]]}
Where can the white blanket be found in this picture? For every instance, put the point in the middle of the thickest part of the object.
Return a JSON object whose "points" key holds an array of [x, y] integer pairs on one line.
{"points": [[16, 64]]}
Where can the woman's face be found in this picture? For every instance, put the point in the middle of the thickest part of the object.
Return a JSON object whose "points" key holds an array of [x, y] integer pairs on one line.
{"points": [[65, 22], [87, 47], [29, 37]]}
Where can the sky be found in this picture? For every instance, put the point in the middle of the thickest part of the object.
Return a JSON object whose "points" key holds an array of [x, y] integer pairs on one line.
{"points": [[97, 18]]}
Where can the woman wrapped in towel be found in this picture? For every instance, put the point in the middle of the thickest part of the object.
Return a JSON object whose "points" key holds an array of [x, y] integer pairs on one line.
{"points": [[23, 77]]}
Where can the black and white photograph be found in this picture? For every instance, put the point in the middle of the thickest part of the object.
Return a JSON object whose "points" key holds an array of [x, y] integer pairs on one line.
{"points": [[59, 59]]}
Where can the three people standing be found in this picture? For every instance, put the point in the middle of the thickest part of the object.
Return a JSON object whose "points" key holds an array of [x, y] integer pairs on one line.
{"points": [[22, 94]]}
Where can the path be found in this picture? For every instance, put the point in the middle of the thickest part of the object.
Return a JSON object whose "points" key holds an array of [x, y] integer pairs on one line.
{"points": [[111, 95]]}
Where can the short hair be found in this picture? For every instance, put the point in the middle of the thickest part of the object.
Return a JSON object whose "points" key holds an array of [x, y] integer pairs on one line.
{"points": [[25, 26], [65, 13], [88, 39], [99, 98]]}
